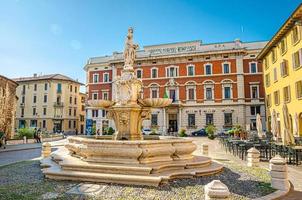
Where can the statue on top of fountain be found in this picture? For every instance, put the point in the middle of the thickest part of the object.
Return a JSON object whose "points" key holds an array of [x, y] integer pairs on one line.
{"points": [[130, 50]]}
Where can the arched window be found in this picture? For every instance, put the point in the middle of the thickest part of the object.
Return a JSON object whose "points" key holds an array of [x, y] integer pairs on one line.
{"points": [[191, 91], [208, 90], [154, 90]]}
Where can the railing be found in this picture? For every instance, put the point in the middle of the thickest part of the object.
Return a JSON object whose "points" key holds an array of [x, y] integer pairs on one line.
{"points": [[58, 104]]}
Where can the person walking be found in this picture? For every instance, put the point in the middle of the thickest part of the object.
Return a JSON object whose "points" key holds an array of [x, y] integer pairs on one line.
{"points": [[39, 136], [36, 135]]}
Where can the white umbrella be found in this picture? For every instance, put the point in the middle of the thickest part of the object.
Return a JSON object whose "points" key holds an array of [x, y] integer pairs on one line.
{"points": [[287, 137], [259, 126], [274, 125], [296, 125]]}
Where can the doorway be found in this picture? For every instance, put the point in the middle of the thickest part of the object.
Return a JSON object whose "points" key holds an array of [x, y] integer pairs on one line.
{"points": [[173, 123]]}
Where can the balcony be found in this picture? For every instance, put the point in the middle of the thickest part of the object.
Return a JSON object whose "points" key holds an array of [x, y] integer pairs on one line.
{"points": [[58, 104], [58, 116]]}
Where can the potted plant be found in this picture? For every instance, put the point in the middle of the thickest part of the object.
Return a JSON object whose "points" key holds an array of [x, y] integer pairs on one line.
{"points": [[210, 130], [182, 133]]}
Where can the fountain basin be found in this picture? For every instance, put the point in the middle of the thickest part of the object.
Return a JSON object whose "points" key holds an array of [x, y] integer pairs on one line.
{"points": [[100, 103], [130, 152], [155, 102]]}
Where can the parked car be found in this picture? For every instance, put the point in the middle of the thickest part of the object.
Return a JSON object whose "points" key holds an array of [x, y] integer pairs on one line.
{"points": [[201, 132], [146, 131]]}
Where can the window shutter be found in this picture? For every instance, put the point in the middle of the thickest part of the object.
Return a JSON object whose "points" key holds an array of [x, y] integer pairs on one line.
{"points": [[293, 60], [300, 57]]}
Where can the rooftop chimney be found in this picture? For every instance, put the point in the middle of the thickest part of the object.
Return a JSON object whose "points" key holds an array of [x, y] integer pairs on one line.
{"points": [[35, 74]]}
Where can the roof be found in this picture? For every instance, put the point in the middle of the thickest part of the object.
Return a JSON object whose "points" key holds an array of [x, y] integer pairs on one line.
{"points": [[11, 80], [296, 16], [180, 48], [47, 77]]}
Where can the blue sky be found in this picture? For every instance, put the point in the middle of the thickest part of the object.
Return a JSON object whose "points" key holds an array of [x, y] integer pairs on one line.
{"points": [[58, 36]]}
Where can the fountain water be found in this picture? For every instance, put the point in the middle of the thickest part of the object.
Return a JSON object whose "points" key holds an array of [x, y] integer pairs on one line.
{"points": [[127, 158]]}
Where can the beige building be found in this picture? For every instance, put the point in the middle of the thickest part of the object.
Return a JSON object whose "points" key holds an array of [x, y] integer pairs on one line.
{"points": [[50, 102], [7, 105], [82, 113]]}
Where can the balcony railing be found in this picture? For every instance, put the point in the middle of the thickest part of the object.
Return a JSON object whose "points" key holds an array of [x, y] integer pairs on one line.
{"points": [[58, 104]]}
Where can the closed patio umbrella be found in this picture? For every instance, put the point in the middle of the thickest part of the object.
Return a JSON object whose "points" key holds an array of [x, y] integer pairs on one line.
{"points": [[296, 125], [287, 137], [274, 125], [259, 126]]}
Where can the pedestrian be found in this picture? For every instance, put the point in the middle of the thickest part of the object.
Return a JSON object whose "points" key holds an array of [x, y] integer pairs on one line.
{"points": [[39, 135], [36, 135], [76, 131]]}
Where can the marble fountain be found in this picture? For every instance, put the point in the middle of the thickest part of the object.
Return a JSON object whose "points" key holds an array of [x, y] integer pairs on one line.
{"points": [[128, 157]]}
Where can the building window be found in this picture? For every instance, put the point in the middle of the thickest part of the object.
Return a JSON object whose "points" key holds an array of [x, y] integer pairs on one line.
{"points": [[226, 68], [172, 72], [299, 89], [34, 111], [139, 73], [23, 89], [44, 111], [253, 67], [255, 91], [46, 86], [209, 95], [44, 124], [75, 89], [283, 46], [69, 124], [265, 62], [208, 69], [103, 113], [70, 100], [274, 57], [191, 120], [284, 68], [191, 94], [253, 124], [106, 77], [172, 94], [22, 112], [23, 99], [267, 80], [59, 88], [275, 75], [75, 112], [297, 59], [154, 119], [255, 110], [70, 88], [227, 92], [75, 101], [286, 94], [154, 93], [95, 113], [154, 73], [105, 95], [35, 99], [95, 78], [70, 111], [295, 35], [95, 96], [35, 87], [228, 121], [209, 119], [74, 124], [268, 100], [190, 70], [45, 99], [277, 97]]}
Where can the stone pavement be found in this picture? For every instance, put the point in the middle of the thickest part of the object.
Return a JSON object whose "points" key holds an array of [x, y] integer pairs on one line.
{"points": [[218, 153]]}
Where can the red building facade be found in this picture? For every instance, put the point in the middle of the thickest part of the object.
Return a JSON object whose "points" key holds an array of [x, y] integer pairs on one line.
{"points": [[209, 83]]}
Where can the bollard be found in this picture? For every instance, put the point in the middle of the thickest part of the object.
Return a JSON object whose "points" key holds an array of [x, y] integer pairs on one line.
{"points": [[216, 190], [205, 149], [278, 172], [46, 150], [24, 140], [253, 157]]}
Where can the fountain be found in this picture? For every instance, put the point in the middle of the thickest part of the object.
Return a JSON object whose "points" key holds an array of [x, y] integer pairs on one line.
{"points": [[128, 157]]}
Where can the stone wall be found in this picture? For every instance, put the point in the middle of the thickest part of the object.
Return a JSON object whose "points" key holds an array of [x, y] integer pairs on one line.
{"points": [[8, 101]]}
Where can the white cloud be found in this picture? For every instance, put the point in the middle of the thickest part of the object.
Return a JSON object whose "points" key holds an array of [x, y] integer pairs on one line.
{"points": [[55, 29], [75, 44]]}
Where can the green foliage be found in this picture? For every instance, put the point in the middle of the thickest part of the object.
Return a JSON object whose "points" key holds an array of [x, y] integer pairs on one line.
{"points": [[1, 134], [210, 130], [110, 131], [28, 132], [182, 133], [154, 132]]}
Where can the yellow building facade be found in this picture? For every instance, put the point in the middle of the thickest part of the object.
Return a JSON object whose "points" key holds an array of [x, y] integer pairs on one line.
{"points": [[282, 66], [52, 103]]}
